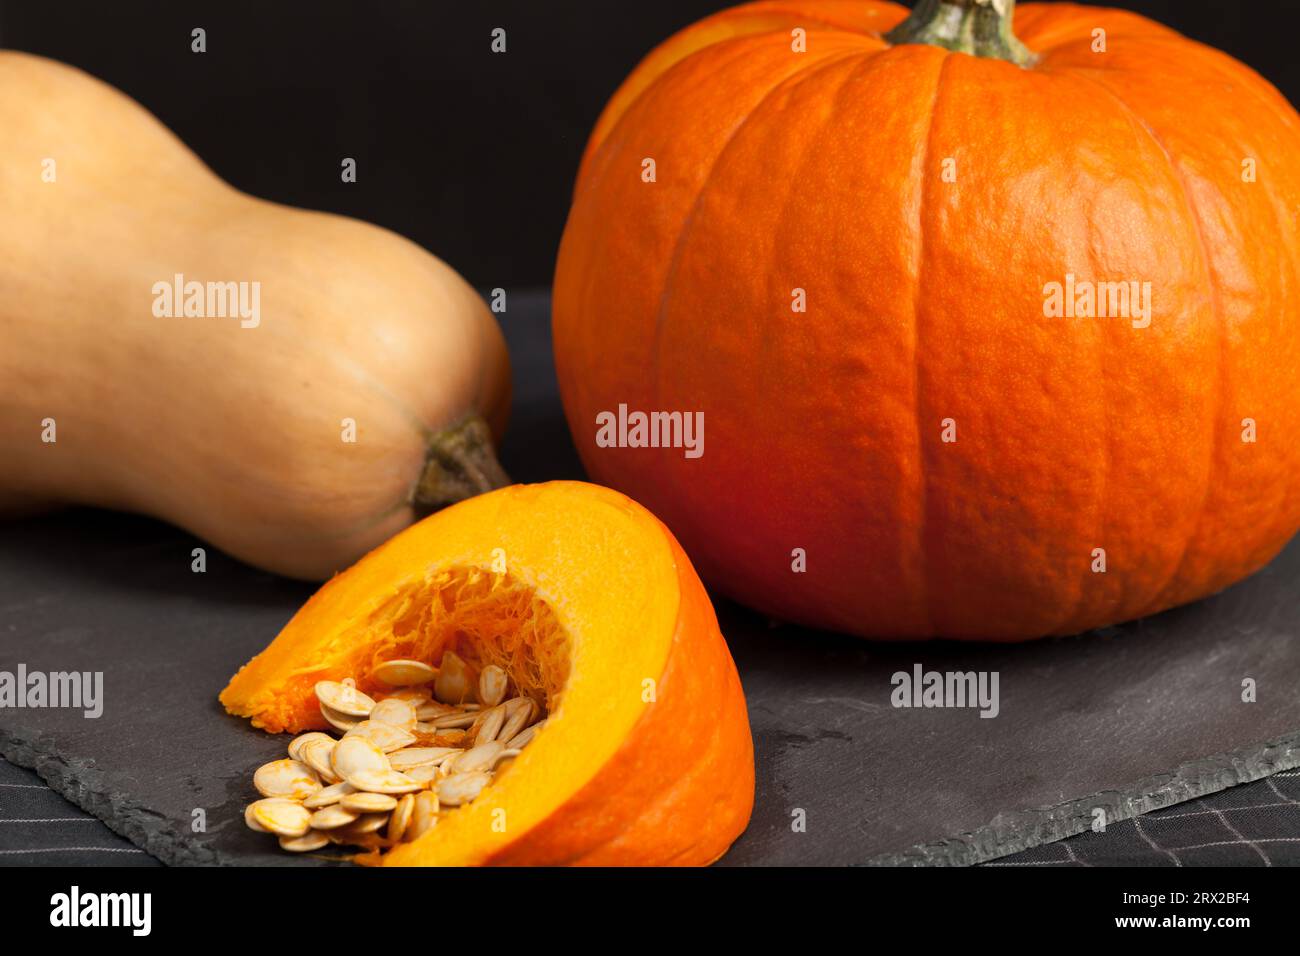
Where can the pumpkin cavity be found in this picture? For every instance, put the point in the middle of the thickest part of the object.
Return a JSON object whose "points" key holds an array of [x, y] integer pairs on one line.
{"points": [[483, 618], [441, 688]]}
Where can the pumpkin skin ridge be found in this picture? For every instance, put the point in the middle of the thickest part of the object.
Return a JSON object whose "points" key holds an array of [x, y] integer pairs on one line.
{"points": [[1065, 35], [1201, 566], [828, 61], [1121, 605], [736, 49], [1158, 599], [928, 60], [924, 575], [787, 85], [767, 35], [1243, 79]]}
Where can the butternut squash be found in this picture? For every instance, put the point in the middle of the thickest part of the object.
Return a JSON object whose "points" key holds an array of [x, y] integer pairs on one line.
{"points": [[293, 387]]}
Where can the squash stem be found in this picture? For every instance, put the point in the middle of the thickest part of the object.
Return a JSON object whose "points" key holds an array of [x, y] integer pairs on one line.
{"points": [[460, 463], [977, 27]]}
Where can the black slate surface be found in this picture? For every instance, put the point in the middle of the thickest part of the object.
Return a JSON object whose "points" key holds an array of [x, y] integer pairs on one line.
{"points": [[1129, 719]]}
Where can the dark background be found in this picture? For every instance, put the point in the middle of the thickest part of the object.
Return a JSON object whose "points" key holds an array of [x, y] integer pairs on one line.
{"points": [[470, 153]]}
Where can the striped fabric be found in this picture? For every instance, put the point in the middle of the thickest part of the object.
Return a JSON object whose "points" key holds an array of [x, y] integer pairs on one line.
{"points": [[40, 828], [1257, 824]]}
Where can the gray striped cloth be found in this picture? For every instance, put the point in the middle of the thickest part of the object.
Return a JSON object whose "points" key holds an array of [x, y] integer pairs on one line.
{"points": [[40, 828], [1257, 824]]}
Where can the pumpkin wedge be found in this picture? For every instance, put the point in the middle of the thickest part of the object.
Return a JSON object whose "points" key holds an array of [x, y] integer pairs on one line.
{"points": [[291, 386], [593, 610]]}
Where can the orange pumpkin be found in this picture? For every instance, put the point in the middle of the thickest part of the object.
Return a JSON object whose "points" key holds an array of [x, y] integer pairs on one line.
{"points": [[592, 608], [1000, 337]]}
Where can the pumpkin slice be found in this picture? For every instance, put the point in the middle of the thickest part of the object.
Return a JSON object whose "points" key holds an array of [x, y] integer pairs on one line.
{"points": [[590, 606]]}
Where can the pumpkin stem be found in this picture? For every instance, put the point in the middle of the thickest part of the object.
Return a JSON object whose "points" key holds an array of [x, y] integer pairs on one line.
{"points": [[977, 27], [460, 464]]}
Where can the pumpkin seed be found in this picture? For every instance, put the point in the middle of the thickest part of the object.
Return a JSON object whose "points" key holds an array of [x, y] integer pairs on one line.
{"points": [[400, 817], [425, 773], [524, 737], [387, 737], [368, 802], [311, 840], [416, 695], [282, 817], [316, 754], [431, 709], [451, 721], [452, 685], [519, 712], [462, 787], [399, 713], [328, 795], [251, 822], [424, 815], [286, 778], [492, 684], [480, 758], [332, 817], [403, 673], [337, 720], [369, 823], [492, 725], [416, 756], [296, 745], [343, 699], [357, 753], [382, 781]]}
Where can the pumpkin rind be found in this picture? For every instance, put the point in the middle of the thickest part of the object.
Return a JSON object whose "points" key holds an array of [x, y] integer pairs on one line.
{"points": [[235, 433], [647, 759], [823, 171]]}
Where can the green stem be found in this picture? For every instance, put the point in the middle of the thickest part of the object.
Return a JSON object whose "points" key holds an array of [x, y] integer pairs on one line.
{"points": [[977, 27], [460, 464]]}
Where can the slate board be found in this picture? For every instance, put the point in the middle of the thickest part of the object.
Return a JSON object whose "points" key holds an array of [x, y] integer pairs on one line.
{"points": [[1129, 719]]}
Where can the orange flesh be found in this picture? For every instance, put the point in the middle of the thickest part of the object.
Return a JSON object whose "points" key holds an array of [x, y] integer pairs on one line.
{"points": [[483, 617]]}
